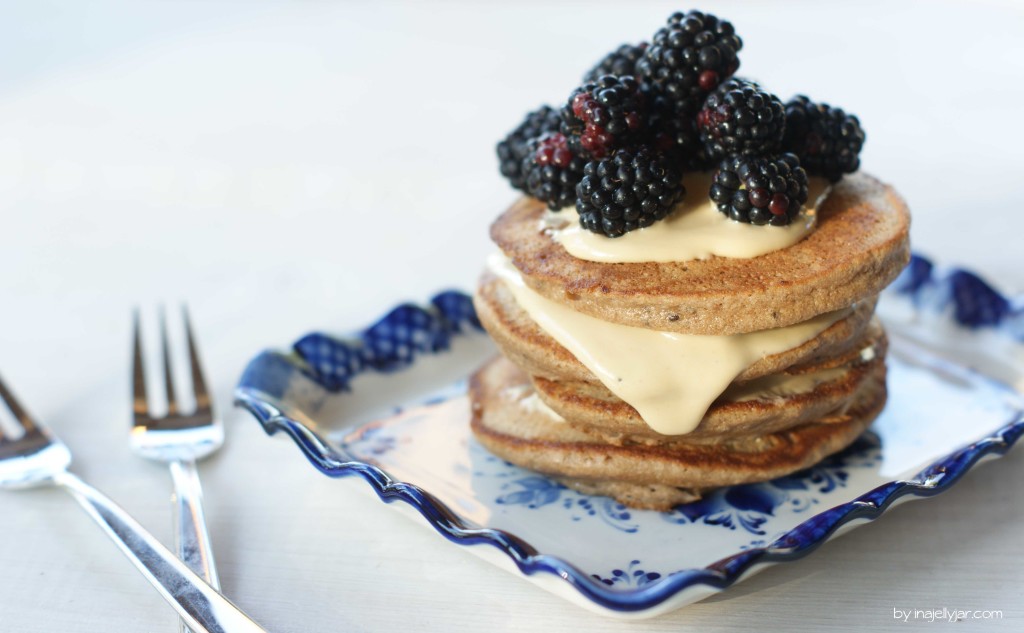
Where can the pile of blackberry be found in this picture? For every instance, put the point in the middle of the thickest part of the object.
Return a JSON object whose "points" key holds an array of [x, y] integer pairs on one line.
{"points": [[647, 113]]}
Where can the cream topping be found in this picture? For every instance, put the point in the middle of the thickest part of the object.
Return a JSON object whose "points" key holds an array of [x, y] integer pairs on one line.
{"points": [[670, 379], [695, 230]]}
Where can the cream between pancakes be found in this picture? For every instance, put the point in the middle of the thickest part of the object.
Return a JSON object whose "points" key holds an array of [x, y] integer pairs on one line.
{"points": [[696, 229], [670, 379]]}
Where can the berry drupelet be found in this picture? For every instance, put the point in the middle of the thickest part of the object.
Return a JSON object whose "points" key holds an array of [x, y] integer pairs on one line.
{"points": [[551, 171], [741, 118], [621, 61], [689, 57], [760, 189], [826, 139], [627, 191], [516, 146], [604, 115]]}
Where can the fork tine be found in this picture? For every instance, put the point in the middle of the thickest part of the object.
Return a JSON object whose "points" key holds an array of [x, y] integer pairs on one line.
{"points": [[140, 404], [198, 381], [20, 414], [172, 403]]}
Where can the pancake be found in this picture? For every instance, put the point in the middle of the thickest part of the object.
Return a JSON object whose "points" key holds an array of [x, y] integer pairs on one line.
{"points": [[530, 347], [859, 246], [534, 438], [593, 409]]}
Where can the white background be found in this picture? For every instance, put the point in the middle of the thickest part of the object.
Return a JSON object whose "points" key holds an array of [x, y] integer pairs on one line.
{"points": [[285, 167]]}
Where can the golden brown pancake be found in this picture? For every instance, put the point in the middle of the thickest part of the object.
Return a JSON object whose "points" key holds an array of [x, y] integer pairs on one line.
{"points": [[506, 423], [530, 347], [859, 246]]}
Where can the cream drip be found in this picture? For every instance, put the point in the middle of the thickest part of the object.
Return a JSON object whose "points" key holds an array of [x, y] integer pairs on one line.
{"points": [[669, 378], [695, 230]]}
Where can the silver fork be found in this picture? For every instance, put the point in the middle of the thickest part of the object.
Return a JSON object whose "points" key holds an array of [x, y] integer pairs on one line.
{"points": [[34, 457], [179, 439]]}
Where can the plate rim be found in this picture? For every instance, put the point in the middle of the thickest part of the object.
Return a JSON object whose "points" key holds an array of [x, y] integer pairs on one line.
{"points": [[957, 294]]}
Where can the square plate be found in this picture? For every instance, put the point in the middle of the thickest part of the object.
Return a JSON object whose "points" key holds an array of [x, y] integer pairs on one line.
{"points": [[389, 405]]}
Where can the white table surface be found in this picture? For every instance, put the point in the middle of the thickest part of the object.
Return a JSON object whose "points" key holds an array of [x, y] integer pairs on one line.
{"points": [[286, 167]]}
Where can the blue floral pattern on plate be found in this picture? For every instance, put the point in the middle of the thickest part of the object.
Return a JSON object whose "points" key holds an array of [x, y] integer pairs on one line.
{"points": [[593, 550]]}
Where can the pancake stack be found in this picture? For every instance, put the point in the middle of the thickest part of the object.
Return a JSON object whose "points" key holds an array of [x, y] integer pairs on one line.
{"points": [[551, 409]]}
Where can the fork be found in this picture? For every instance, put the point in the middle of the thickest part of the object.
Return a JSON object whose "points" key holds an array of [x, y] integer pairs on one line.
{"points": [[179, 439], [35, 457]]}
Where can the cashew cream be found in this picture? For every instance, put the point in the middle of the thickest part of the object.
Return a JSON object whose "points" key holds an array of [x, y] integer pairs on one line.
{"points": [[696, 229]]}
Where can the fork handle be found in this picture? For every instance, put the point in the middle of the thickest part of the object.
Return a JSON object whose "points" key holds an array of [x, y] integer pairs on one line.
{"points": [[191, 538], [190, 535], [202, 608]]}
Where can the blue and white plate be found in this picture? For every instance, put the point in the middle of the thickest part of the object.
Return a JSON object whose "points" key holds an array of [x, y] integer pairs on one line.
{"points": [[388, 405]]}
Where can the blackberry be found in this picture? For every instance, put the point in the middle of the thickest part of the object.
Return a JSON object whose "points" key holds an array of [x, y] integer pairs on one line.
{"points": [[741, 118], [604, 115], [551, 171], [630, 190], [515, 147], [677, 138], [673, 133], [826, 139], [689, 57], [621, 61], [760, 189]]}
